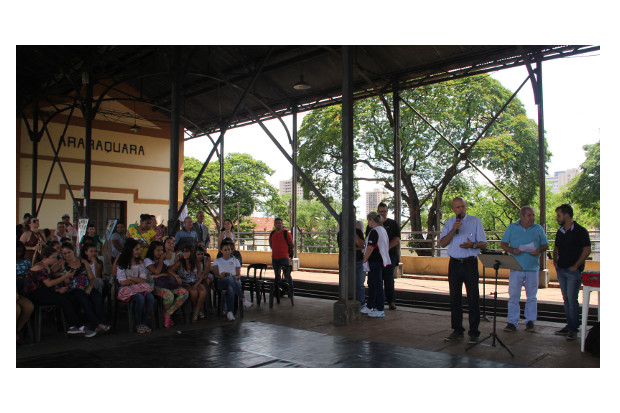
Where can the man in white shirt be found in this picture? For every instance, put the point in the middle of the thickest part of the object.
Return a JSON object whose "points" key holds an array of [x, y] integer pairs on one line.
{"points": [[465, 236]]}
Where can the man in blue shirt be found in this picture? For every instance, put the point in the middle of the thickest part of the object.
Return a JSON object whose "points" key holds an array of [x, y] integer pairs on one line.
{"points": [[465, 236], [525, 240], [186, 232]]}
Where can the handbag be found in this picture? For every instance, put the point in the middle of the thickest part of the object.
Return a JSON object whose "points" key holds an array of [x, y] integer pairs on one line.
{"points": [[125, 293], [169, 282]]}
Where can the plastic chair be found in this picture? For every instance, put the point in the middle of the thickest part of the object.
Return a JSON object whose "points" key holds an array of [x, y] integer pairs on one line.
{"points": [[38, 315], [253, 283], [584, 311], [282, 285]]}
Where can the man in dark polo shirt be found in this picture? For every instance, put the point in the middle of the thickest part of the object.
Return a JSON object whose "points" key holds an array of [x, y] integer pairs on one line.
{"points": [[393, 231], [465, 236], [572, 248]]}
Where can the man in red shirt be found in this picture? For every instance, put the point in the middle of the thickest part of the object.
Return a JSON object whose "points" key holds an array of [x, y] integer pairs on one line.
{"points": [[281, 242]]}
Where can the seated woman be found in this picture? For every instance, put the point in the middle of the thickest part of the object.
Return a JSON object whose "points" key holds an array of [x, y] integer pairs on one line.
{"points": [[169, 252], [40, 289], [88, 253], [160, 230], [167, 286], [24, 305], [131, 275], [32, 238], [227, 272], [23, 265], [24, 310], [143, 233], [205, 259], [82, 291], [60, 263], [226, 233], [190, 272]]}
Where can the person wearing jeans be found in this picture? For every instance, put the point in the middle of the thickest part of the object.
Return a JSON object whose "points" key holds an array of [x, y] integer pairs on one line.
{"points": [[143, 307], [572, 248], [280, 241], [393, 231], [376, 258]]}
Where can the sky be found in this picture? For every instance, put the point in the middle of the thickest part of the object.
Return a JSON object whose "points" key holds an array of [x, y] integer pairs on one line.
{"points": [[572, 119]]}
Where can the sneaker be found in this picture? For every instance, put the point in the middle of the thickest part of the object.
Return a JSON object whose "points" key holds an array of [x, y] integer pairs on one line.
{"points": [[529, 326], [510, 328], [392, 305], [562, 332], [376, 313], [74, 330], [230, 316], [365, 310], [454, 336], [472, 340], [89, 333], [571, 335], [247, 304]]}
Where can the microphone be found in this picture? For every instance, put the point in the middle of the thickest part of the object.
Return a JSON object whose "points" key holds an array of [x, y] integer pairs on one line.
{"points": [[458, 219]]}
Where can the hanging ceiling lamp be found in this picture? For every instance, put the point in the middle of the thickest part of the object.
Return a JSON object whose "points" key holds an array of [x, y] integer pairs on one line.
{"points": [[302, 85], [135, 128]]}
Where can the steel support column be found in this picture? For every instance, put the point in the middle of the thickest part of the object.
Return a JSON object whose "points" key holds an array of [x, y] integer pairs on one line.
{"points": [[222, 182], [88, 137], [541, 154], [294, 182], [397, 158], [175, 95], [34, 137], [347, 309], [301, 173]]}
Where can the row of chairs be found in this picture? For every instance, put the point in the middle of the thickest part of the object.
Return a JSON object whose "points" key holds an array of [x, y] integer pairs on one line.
{"points": [[276, 288], [254, 282]]}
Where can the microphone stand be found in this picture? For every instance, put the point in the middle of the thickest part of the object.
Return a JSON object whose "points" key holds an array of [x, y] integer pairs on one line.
{"points": [[484, 296], [494, 333]]}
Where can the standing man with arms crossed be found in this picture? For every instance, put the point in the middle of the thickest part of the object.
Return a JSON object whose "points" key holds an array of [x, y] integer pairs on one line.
{"points": [[572, 248], [525, 240], [393, 231], [465, 236]]}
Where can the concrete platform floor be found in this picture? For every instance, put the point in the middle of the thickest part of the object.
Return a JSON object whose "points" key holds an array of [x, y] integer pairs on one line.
{"points": [[304, 335]]}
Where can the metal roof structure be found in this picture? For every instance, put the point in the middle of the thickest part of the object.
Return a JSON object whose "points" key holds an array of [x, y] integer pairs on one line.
{"points": [[212, 78], [209, 89]]}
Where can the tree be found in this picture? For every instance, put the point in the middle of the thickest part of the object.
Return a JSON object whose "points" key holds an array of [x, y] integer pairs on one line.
{"points": [[430, 166], [314, 221], [245, 182], [585, 189]]}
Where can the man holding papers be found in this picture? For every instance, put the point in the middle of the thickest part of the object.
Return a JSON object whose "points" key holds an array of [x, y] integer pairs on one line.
{"points": [[525, 240]]}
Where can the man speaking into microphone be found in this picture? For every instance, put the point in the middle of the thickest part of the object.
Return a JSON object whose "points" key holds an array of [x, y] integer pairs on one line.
{"points": [[465, 236]]}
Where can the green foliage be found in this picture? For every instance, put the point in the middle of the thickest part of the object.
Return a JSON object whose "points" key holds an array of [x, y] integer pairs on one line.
{"points": [[431, 167], [312, 217], [584, 190], [245, 183]]}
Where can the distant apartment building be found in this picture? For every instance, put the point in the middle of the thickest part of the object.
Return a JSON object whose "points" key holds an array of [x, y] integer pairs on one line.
{"points": [[560, 178], [286, 187], [374, 198]]}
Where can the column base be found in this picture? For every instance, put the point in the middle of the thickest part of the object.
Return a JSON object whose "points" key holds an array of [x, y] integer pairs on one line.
{"points": [[346, 312]]}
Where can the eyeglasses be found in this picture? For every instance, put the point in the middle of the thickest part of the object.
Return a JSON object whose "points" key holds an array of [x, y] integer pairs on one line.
{"points": [[34, 220]]}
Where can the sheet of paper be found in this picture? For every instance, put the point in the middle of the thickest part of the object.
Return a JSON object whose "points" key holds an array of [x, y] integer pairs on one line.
{"points": [[527, 247]]}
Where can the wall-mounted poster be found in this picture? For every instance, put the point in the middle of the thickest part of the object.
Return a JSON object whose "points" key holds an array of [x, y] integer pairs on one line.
{"points": [[82, 224]]}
